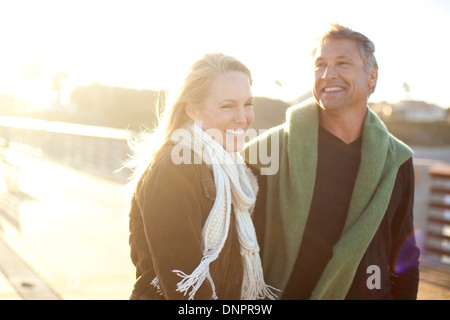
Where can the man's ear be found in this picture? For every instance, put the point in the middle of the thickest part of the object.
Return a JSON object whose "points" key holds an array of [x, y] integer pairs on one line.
{"points": [[373, 77]]}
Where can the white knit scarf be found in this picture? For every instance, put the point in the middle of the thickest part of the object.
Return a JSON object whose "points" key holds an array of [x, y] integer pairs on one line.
{"points": [[233, 190]]}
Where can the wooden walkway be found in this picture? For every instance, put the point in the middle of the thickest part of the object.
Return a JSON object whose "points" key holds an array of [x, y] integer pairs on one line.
{"points": [[65, 234]]}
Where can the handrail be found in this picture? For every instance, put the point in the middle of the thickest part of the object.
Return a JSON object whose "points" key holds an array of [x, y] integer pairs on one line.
{"points": [[99, 150], [66, 128]]}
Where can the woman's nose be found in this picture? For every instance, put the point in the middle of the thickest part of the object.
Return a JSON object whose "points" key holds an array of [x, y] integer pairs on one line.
{"points": [[240, 116]]}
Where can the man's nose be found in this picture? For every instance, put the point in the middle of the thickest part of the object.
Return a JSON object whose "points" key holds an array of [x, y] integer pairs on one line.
{"points": [[329, 73]]}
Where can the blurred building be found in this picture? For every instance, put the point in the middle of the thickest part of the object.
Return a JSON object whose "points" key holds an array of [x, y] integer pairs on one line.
{"points": [[410, 110]]}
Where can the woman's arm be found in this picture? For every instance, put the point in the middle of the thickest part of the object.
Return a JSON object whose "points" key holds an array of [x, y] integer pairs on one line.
{"points": [[171, 203]]}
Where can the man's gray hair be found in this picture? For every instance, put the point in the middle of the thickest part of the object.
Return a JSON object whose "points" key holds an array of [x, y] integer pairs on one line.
{"points": [[366, 46]]}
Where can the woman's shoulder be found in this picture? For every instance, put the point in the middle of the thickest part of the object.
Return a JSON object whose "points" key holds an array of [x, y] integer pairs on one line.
{"points": [[164, 154], [167, 166], [185, 180], [171, 157]]}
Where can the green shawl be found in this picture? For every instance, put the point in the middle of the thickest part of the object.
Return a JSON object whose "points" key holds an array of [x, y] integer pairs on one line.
{"points": [[290, 191]]}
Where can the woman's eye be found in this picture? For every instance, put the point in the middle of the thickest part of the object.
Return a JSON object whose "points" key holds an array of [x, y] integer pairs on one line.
{"points": [[226, 106]]}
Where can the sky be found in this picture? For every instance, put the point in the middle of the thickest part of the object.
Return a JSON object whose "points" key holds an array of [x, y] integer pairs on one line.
{"points": [[150, 44]]}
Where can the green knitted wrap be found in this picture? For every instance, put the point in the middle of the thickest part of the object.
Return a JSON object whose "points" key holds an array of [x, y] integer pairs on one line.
{"points": [[290, 192]]}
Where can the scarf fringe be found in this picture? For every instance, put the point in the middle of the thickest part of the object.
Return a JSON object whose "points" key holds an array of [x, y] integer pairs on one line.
{"points": [[194, 280], [155, 283], [253, 285]]}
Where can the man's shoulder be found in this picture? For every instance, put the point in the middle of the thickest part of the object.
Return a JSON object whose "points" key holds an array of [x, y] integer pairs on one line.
{"points": [[304, 106], [399, 149]]}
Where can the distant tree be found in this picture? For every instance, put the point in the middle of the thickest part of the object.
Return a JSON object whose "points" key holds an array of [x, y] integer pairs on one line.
{"points": [[137, 109], [407, 89], [116, 107], [268, 113]]}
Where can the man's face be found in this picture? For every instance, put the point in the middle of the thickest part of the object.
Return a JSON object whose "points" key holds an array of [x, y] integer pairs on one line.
{"points": [[341, 80]]}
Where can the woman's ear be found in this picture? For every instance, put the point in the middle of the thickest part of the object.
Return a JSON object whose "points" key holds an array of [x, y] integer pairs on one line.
{"points": [[191, 112]]}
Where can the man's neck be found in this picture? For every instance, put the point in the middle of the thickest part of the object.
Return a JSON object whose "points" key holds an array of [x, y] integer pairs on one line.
{"points": [[346, 126]]}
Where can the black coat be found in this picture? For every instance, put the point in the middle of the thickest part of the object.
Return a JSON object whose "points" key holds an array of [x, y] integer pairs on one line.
{"points": [[168, 211]]}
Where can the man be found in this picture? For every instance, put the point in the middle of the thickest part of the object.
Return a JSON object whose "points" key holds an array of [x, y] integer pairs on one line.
{"points": [[336, 220]]}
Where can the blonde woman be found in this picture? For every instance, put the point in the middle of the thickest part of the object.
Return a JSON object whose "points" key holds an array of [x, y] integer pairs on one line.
{"points": [[191, 232]]}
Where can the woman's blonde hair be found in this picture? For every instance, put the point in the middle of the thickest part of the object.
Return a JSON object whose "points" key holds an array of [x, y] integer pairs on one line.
{"points": [[195, 89]]}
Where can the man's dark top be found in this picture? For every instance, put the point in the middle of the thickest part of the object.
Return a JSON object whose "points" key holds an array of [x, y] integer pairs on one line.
{"points": [[337, 169]]}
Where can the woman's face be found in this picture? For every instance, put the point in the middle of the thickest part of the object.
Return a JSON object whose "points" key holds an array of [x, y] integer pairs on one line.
{"points": [[227, 113]]}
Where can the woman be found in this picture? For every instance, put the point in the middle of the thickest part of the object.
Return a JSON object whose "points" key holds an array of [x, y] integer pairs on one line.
{"points": [[191, 233]]}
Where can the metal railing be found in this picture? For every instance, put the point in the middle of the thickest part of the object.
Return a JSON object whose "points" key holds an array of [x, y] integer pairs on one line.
{"points": [[98, 150], [438, 230]]}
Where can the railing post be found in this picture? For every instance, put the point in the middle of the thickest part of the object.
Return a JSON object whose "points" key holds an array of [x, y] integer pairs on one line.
{"points": [[438, 229]]}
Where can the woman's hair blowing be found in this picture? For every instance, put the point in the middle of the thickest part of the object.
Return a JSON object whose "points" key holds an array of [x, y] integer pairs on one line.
{"points": [[194, 90]]}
